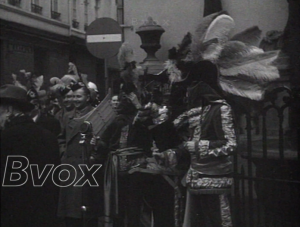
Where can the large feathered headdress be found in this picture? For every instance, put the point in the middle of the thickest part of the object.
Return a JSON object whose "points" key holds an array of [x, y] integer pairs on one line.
{"points": [[130, 71], [245, 69]]}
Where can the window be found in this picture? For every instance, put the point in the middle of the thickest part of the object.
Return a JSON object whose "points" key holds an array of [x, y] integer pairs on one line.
{"points": [[15, 2], [120, 11], [54, 5], [54, 10], [97, 7], [75, 23], [86, 17], [74, 7]]}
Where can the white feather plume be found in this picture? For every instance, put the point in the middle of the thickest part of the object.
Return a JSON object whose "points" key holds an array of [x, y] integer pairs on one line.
{"points": [[125, 54], [38, 82], [242, 88], [18, 83], [220, 28]]}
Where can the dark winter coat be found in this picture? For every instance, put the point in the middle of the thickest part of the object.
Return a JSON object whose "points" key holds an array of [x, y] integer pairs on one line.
{"points": [[71, 198], [27, 205]]}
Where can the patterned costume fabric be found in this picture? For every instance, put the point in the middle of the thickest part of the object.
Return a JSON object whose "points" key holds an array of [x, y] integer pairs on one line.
{"points": [[210, 127], [213, 132]]}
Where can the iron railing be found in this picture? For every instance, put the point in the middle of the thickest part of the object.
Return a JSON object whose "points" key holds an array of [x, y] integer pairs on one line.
{"points": [[267, 179], [75, 24], [36, 8], [55, 15]]}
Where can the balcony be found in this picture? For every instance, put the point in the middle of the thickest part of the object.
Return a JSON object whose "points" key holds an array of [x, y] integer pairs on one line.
{"points": [[55, 15], [75, 23], [15, 3], [36, 8]]}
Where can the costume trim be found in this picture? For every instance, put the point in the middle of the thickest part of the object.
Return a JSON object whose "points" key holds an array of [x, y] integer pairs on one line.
{"points": [[225, 211], [229, 134]]}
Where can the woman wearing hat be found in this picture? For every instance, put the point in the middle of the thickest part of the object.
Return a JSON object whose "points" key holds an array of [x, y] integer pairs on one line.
{"points": [[25, 205]]}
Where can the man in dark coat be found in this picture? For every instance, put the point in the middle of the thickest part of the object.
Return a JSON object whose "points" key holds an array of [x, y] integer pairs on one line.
{"points": [[23, 202], [78, 204]]}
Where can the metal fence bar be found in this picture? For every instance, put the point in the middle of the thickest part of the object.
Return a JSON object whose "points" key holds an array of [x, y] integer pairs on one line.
{"points": [[277, 181], [249, 171]]}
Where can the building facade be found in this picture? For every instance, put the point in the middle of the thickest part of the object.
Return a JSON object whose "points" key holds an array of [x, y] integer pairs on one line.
{"points": [[43, 36]]}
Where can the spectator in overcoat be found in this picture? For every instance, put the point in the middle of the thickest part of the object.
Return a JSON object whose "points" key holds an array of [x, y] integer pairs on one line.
{"points": [[29, 201]]}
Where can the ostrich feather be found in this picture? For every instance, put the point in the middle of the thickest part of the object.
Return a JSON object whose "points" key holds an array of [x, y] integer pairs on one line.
{"points": [[173, 71], [38, 82], [125, 55], [56, 89], [24, 78], [234, 50], [250, 36], [208, 45], [204, 24], [209, 50], [212, 52], [69, 79], [265, 58], [220, 28], [73, 69], [55, 80], [261, 71], [242, 88], [184, 46], [18, 83]]}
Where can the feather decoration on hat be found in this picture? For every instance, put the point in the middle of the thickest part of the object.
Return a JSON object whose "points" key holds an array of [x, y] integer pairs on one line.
{"points": [[27, 80], [245, 69], [59, 90], [239, 59], [55, 80], [31, 83], [130, 71], [243, 88], [218, 28], [250, 36], [16, 82], [182, 53], [38, 82], [125, 55], [72, 69]]}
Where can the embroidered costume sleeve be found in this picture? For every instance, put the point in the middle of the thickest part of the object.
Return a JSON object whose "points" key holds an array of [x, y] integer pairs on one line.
{"points": [[186, 116], [224, 147]]}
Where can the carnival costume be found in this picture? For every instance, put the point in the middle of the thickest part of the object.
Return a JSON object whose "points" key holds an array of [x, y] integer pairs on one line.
{"points": [[210, 66]]}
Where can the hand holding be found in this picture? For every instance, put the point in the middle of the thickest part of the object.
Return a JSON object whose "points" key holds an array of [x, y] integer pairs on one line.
{"points": [[190, 146]]}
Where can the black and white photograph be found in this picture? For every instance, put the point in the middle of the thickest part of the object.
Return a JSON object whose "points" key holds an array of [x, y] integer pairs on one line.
{"points": [[150, 113]]}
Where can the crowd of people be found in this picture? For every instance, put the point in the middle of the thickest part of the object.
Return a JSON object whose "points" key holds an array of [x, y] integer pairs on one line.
{"points": [[188, 132], [198, 142]]}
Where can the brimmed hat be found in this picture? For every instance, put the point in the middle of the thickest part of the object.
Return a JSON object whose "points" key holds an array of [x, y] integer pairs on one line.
{"points": [[12, 94], [204, 71]]}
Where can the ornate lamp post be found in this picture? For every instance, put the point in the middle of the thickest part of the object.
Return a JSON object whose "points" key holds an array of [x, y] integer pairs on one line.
{"points": [[150, 34]]}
